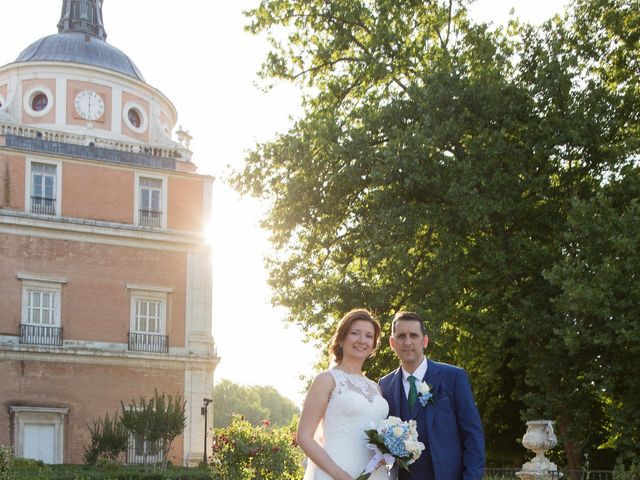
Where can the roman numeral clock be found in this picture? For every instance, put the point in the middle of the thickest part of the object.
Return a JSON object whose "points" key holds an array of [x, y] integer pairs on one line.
{"points": [[89, 105]]}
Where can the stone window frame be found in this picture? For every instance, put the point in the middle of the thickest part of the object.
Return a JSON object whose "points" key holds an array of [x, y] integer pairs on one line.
{"points": [[29, 184], [23, 415], [42, 284], [154, 294], [163, 201]]}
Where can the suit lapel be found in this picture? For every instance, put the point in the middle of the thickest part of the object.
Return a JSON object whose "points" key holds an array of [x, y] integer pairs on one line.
{"points": [[432, 378]]}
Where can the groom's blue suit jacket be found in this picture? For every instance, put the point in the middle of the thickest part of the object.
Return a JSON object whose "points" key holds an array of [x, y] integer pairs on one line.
{"points": [[450, 427]]}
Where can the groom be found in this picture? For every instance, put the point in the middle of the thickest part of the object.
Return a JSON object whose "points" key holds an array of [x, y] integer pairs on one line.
{"points": [[448, 421]]}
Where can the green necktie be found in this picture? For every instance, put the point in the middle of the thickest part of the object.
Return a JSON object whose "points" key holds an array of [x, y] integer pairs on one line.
{"points": [[413, 391]]}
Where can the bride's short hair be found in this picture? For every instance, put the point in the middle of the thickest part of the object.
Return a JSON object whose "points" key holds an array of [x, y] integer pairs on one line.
{"points": [[343, 328]]}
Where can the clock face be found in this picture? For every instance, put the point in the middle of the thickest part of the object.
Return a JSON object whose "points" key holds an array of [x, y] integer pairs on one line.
{"points": [[89, 105]]}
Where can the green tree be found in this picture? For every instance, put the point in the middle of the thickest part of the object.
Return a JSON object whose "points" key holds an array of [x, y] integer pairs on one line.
{"points": [[601, 300], [254, 403], [436, 168], [280, 409], [155, 423]]}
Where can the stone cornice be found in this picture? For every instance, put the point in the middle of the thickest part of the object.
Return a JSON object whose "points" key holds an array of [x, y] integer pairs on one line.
{"points": [[119, 358], [21, 409], [91, 231]]}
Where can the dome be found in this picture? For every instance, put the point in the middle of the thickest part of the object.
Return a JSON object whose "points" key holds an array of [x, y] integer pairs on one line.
{"points": [[78, 47]]}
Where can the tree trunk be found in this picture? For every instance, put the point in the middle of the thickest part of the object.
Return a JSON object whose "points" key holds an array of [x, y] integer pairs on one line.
{"points": [[572, 450]]}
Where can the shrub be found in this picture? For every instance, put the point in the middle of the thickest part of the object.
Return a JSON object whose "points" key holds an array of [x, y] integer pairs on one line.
{"points": [[27, 469], [620, 472], [244, 452], [109, 439], [157, 421], [110, 471], [5, 462]]}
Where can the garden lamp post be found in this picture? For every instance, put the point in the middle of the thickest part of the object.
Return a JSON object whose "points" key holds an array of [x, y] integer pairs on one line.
{"points": [[203, 410]]}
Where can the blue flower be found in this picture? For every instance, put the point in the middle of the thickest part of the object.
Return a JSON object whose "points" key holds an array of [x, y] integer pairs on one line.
{"points": [[393, 441], [424, 394]]}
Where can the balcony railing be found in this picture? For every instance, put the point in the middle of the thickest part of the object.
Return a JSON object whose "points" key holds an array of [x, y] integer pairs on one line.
{"points": [[41, 335], [148, 342], [150, 218], [62, 143], [43, 205]]}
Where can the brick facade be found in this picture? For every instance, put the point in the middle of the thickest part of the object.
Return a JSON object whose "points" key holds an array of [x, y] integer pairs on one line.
{"points": [[105, 269]]}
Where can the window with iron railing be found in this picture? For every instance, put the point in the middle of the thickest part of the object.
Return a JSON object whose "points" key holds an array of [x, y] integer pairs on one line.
{"points": [[150, 198], [40, 324], [43, 188], [148, 320]]}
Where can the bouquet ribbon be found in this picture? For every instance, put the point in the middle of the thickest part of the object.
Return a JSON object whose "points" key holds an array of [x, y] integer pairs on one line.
{"points": [[373, 463]]}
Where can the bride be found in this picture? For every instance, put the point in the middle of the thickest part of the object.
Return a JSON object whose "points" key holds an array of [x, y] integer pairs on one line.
{"points": [[341, 404]]}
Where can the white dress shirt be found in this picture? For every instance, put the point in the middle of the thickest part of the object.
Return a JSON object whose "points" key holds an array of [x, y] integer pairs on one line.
{"points": [[418, 373]]}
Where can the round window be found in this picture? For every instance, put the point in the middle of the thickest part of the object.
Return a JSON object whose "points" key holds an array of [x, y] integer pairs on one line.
{"points": [[134, 117], [39, 102]]}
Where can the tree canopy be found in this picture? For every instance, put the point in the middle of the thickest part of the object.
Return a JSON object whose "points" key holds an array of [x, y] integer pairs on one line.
{"points": [[255, 403], [450, 168]]}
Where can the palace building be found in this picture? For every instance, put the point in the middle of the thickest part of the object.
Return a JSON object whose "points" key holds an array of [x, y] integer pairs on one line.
{"points": [[105, 269]]}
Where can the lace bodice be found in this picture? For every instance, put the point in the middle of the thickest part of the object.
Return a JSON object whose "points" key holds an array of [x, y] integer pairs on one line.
{"points": [[347, 382], [355, 405]]}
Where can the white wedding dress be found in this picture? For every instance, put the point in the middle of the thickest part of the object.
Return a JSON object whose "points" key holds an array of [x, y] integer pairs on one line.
{"points": [[355, 405]]}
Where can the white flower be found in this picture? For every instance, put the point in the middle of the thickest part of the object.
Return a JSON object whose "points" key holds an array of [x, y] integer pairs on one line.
{"points": [[387, 423], [394, 421], [398, 432], [414, 447], [423, 388], [410, 445]]}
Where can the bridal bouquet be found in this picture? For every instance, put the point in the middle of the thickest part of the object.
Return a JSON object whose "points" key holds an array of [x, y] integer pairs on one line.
{"points": [[392, 441]]}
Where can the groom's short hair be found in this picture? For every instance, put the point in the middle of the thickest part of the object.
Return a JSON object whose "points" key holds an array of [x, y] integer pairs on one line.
{"points": [[404, 316]]}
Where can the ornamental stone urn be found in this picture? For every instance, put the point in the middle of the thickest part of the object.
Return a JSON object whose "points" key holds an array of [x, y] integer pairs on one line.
{"points": [[539, 437]]}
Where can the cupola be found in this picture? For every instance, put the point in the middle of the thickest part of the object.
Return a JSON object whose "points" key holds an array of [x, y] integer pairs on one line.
{"points": [[81, 38]]}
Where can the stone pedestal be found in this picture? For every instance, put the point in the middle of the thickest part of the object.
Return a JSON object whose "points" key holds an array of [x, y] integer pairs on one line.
{"points": [[539, 437]]}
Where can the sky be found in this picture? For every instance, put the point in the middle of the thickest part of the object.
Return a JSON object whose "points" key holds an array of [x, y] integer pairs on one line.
{"points": [[197, 54]]}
